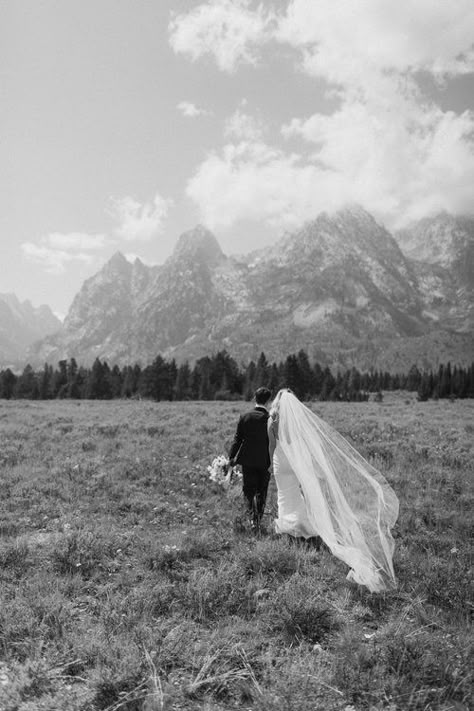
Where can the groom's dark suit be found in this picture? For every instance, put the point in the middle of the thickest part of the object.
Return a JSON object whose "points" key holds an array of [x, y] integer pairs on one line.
{"points": [[250, 450]]}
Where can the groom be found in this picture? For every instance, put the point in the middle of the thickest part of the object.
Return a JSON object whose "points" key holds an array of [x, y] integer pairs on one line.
{"points": [[250, 450]]}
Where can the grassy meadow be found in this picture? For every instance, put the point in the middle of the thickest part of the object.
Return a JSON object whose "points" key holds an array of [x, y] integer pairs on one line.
{"points": [[127, 582]]}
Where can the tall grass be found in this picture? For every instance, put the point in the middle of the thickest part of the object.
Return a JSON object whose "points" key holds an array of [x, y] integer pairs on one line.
{"points": [[127, 581]]}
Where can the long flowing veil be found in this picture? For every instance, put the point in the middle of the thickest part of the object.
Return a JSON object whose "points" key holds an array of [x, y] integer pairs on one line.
{"points": [[349, 502]]}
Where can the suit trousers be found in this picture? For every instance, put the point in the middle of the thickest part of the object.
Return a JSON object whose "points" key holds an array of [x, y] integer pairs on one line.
{"points": [[255, 487]]}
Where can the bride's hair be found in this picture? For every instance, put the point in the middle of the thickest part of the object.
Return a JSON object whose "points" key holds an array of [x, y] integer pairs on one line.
{"points": [[276, 403]]}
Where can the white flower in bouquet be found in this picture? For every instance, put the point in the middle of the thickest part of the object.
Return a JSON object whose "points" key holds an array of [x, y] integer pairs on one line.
{"points": [[221, 472]]}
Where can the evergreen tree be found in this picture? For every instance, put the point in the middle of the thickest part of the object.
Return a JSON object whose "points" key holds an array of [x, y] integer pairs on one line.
{"points": [[305, 375], [59, 384], [106, 384], [97, 385], [249, 380], [338, 391], [354, 383], [7, 384], [115, 380], [71, 370], [317, 379], [201, 380], [224, 374], [395, 384], [73, 387], [262, 372], [386, 380], [414, 378], [26, 386], [328, 385], [183, 385], [445, 380], [157, 380], [274, 379], [470, 381], [206, 391], [45, 384], [130, 378], [424, 388], [291, 376], [76, 388]]}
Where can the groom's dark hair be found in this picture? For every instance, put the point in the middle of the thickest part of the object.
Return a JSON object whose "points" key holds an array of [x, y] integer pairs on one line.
{"points": [[262, 395]]}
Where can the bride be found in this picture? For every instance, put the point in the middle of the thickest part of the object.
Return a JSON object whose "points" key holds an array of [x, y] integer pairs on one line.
{"points": [[327, 489]]}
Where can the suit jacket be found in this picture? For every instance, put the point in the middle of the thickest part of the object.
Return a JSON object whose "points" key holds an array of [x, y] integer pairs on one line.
{"points": [[250, 445]]}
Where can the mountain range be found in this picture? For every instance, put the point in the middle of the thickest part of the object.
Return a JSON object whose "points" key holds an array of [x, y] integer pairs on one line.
{"points": [[342, 287], [20, 325]]}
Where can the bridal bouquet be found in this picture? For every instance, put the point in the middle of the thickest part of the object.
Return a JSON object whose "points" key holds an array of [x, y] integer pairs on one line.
{"points": [[222, 473]]}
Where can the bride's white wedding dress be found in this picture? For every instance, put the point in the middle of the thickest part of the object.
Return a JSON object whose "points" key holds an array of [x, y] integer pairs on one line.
{"points": [[292, 511], [326, 488]]}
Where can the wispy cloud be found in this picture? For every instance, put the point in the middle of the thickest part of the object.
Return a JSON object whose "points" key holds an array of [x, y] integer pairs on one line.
{"points": [[56, 251], [387, 145], [190, 110], [133, 256], [53, 260], [139, 221], [134, 221], [76, 241]]}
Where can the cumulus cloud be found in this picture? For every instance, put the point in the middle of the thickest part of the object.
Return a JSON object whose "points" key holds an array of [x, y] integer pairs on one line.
{"points": [[242, 125], [386, 146], [190, 110], [253, 180], [229, 30], [394, 172], [348, 42], [136, 220], [401, 164], [336, 40]]}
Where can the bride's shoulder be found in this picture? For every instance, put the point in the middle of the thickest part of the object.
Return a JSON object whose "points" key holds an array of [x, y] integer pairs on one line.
{"points": [[273, 422]]}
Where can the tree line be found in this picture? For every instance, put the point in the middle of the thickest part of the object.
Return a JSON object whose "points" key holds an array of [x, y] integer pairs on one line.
{"points": [[219, 377]]}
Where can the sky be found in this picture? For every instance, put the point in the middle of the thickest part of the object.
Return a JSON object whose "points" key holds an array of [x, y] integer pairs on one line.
{"points": [[124, 123]]}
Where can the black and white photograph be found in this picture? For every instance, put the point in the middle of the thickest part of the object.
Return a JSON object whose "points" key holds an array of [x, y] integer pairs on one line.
{"points": [[236, 355]]}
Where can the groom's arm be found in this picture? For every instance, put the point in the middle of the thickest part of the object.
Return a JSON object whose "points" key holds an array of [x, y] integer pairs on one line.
{"points": [[237, 442], [271, 443]]}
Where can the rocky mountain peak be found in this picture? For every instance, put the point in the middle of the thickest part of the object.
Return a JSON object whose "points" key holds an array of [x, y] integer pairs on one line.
{"points": [[198, 244], [351, 232], [21, 324], [438, 240], [340, 287], [13, 302], [117, 264], [139, 269]]}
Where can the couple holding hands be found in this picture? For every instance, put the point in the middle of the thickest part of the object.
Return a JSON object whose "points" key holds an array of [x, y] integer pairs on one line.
{"points": [[326, 489]]}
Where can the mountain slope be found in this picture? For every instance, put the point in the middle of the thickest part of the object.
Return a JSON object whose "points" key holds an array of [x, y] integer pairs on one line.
{"points": [[442, 252], [21, 324], [342, 288]]}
